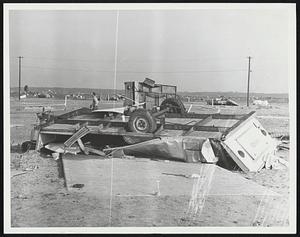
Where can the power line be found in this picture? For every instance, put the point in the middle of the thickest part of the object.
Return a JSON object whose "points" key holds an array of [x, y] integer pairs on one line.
{"points": [[71, 59], [136, 61], [112, 71], [66, 69]]}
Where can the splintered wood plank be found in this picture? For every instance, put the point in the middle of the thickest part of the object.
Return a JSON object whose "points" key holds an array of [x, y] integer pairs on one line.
{"points": [[81, 145], [79, 134]]}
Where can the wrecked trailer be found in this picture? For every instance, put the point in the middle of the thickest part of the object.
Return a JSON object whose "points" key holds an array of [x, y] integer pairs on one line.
{"points": [[189, 137], [222, 101]]}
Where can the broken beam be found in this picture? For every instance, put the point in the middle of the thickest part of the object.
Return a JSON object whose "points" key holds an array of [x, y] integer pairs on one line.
{"points": [[200, 123], [196, 128], [92, 123], [74, 113], [203, 116]]}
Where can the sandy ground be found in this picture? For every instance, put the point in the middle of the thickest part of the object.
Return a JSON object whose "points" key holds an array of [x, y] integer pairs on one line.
{"points": [[39, 197]]}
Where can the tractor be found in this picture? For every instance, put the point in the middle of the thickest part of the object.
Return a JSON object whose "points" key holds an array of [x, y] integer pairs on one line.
{"points": [[146, 101]]}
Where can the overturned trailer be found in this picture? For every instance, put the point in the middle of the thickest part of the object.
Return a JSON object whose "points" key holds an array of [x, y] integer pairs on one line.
{"points": [[229, 139]]}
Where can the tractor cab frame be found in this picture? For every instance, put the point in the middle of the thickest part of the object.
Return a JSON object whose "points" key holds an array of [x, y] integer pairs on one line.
{"points": [[148, 93]]}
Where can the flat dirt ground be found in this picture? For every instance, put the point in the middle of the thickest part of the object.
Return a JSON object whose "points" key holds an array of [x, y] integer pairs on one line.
{"points": [[39, 197]]}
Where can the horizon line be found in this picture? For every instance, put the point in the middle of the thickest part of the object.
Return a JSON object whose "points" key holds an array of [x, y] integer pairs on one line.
{"points": [[177, 91]]}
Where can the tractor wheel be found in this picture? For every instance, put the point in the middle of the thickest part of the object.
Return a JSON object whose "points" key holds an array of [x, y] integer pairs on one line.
{"points": [[141, 121], [175, 105]]}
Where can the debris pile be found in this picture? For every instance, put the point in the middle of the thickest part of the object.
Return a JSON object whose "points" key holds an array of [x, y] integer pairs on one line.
{"points": [[153, 127], [261, 103], [188, 149]]}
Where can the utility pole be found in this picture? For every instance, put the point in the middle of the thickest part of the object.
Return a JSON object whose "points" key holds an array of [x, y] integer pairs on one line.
{"points": [[249, 70], [20, 58]]}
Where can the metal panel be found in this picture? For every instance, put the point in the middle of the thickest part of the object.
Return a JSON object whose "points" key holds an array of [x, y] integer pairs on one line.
{"points": [[249, 144], [252, 141]]}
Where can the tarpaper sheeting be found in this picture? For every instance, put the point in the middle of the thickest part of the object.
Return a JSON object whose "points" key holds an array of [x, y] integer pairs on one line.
{"points": [[190, 149]]}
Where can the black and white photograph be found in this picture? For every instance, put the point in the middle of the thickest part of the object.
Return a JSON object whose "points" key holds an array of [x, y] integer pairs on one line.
{"points": [[150, 118]]}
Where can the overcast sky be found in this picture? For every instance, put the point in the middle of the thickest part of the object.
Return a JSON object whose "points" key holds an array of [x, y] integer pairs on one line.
{"points": [[197, 50]]}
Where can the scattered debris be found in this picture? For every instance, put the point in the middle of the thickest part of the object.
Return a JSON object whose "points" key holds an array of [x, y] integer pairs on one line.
{"points": [[23, 171], [274, 162], [280, 135], [60, 148], [16, 125], [94, 151], [157, 193], [181, 175], [21, 196], [77, 186], [18, 173], [31, 168], [222, 101], [55, 155], [283, 146], [261, 103]]}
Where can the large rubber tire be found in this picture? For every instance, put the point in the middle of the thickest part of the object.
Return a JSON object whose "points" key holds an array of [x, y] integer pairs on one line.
{"points": [[175, 105], [141, 121]]}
